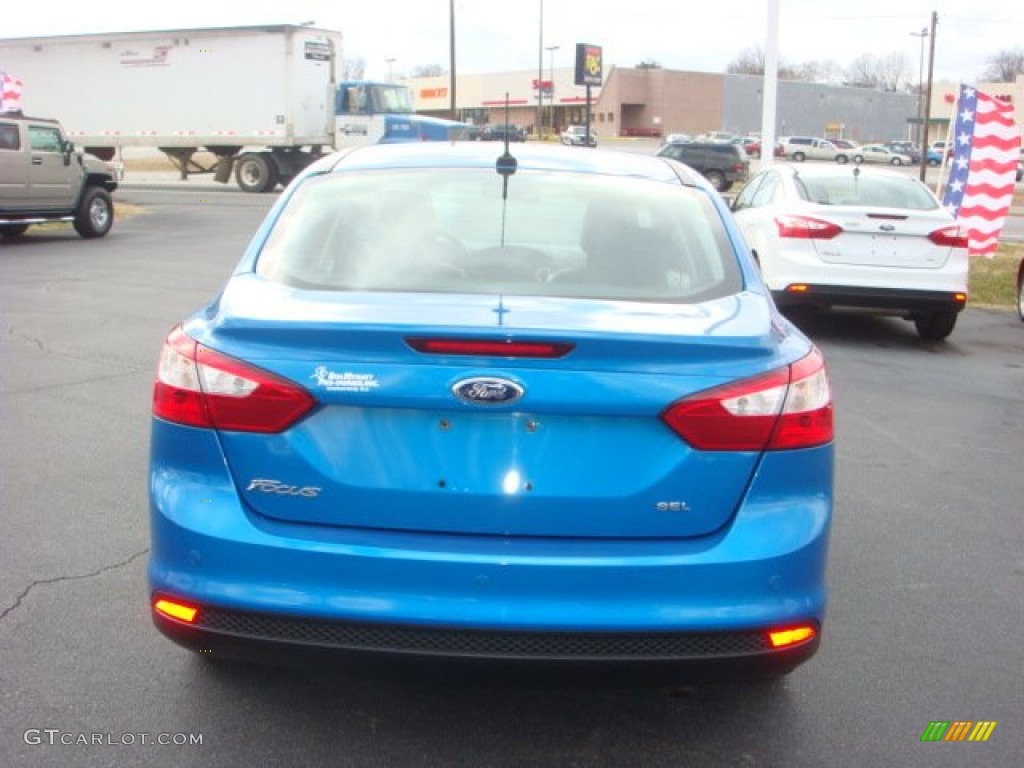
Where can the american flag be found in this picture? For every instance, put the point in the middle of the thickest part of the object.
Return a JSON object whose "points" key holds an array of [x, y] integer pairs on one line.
{"points": [[10, 93], [986, 145]]}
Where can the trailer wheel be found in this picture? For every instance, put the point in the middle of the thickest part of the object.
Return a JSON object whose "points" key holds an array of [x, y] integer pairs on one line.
{"points": [[95, 213], [255, 173]]}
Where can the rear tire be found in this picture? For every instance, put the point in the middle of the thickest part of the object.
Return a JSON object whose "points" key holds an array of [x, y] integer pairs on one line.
{"points": [[11, 231], [1020, 291], [842, 159], [717, 180], [858, 159], [255, 173], [95, 214], [935, 326], [799, 156]]}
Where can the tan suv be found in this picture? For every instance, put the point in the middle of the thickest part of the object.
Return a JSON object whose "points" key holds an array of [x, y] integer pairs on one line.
{"points": [[45, 179]]}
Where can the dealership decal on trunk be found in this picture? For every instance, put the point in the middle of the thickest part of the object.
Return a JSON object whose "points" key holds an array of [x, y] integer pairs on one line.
{"points": [[345, 381], [487, 391]]}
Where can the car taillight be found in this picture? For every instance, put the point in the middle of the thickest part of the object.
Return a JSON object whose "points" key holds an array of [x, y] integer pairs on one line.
{"points": [[198, 387], [783, 409], [950, 236], [806, 228]]}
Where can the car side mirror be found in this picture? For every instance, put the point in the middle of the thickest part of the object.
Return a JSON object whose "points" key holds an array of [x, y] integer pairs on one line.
{"points": [[68, 147]]}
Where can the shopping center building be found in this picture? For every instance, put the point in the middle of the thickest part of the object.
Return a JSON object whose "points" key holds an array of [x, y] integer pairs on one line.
{"points": [[656, 102]]}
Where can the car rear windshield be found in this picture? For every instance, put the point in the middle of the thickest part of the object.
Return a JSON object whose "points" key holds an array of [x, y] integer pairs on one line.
{"points": [[456, 231], [858, 188]]}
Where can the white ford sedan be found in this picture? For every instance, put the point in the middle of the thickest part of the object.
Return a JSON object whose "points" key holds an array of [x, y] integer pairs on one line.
{"points": [[847, 236]]}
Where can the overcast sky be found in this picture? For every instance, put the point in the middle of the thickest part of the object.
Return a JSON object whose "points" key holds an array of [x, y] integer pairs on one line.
{"points": [[493, 35]]}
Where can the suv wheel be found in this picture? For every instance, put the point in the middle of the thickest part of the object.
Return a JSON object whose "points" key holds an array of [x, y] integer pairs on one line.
{"points": [[717, 180], [799, 156], [842, 159], [10, 231], [935, 326], [95, 214]]}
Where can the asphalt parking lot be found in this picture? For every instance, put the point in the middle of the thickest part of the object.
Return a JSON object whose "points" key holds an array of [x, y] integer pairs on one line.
{"points": [[926, 568]]}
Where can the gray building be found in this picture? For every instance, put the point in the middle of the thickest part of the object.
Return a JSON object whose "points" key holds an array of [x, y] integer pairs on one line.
{"points": [[814, 109]]}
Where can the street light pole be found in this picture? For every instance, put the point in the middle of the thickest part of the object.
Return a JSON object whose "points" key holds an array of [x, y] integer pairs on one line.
{"points": [[920, 88], [389, 62], [540, 71], [551, 57], [928, 99]]}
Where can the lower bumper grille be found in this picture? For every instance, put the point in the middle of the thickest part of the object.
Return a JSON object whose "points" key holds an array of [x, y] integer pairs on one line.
{"points": [[622, 646]]}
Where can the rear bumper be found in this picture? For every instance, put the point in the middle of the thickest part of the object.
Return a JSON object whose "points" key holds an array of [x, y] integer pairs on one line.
{"points": [[894, 299], [269, 588], [277, 639]]}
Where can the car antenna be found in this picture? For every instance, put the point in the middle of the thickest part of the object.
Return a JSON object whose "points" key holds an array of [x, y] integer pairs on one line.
{"points": [[506, 166]]}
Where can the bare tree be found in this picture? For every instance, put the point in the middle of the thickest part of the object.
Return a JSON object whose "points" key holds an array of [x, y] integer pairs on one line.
{"points": [[354, 68], [648, 64], [749, 61], [1004, 66], [893, 71], [862, 72]]}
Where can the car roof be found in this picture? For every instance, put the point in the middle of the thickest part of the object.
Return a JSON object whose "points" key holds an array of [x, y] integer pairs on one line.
{"points": [[438, 154]]}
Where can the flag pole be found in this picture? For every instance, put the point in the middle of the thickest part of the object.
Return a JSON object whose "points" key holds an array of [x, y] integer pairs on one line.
{"points": [[946, 158]]}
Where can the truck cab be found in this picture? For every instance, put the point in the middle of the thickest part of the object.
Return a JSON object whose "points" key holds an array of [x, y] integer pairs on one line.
{"points": [[43, 178], [369, 112]]}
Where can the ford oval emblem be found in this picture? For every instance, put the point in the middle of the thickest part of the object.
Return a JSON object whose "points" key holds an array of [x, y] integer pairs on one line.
{"points": [[487, 391]]}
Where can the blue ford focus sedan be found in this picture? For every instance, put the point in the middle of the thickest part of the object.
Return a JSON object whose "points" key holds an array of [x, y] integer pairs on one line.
{"points": [[531, 404]]}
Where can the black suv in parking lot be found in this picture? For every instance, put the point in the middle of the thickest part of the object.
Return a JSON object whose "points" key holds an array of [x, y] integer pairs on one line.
{"points": [[500, 131], [721, 164]]}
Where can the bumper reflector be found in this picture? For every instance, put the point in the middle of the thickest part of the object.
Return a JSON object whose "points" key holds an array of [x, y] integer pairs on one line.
{"points": [[785, 637], [179, 611]]}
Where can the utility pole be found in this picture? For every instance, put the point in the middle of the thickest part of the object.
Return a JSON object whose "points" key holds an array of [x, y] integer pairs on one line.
{"points": [[540, 73], [920, 86], [928, 102], [451, 37]]}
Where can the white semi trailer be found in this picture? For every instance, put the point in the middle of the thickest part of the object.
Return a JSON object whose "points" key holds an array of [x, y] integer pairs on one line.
{"points": [[261, 99]]}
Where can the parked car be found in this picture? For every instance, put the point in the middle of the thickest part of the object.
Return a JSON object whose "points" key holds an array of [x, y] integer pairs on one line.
{"points": [[44, 179], [856, 237], [943, 146], [501, 131], [451, 406], [754, 150], [576, 135], [876, 153], [677, 138], [721, 164], [800, 148]]}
